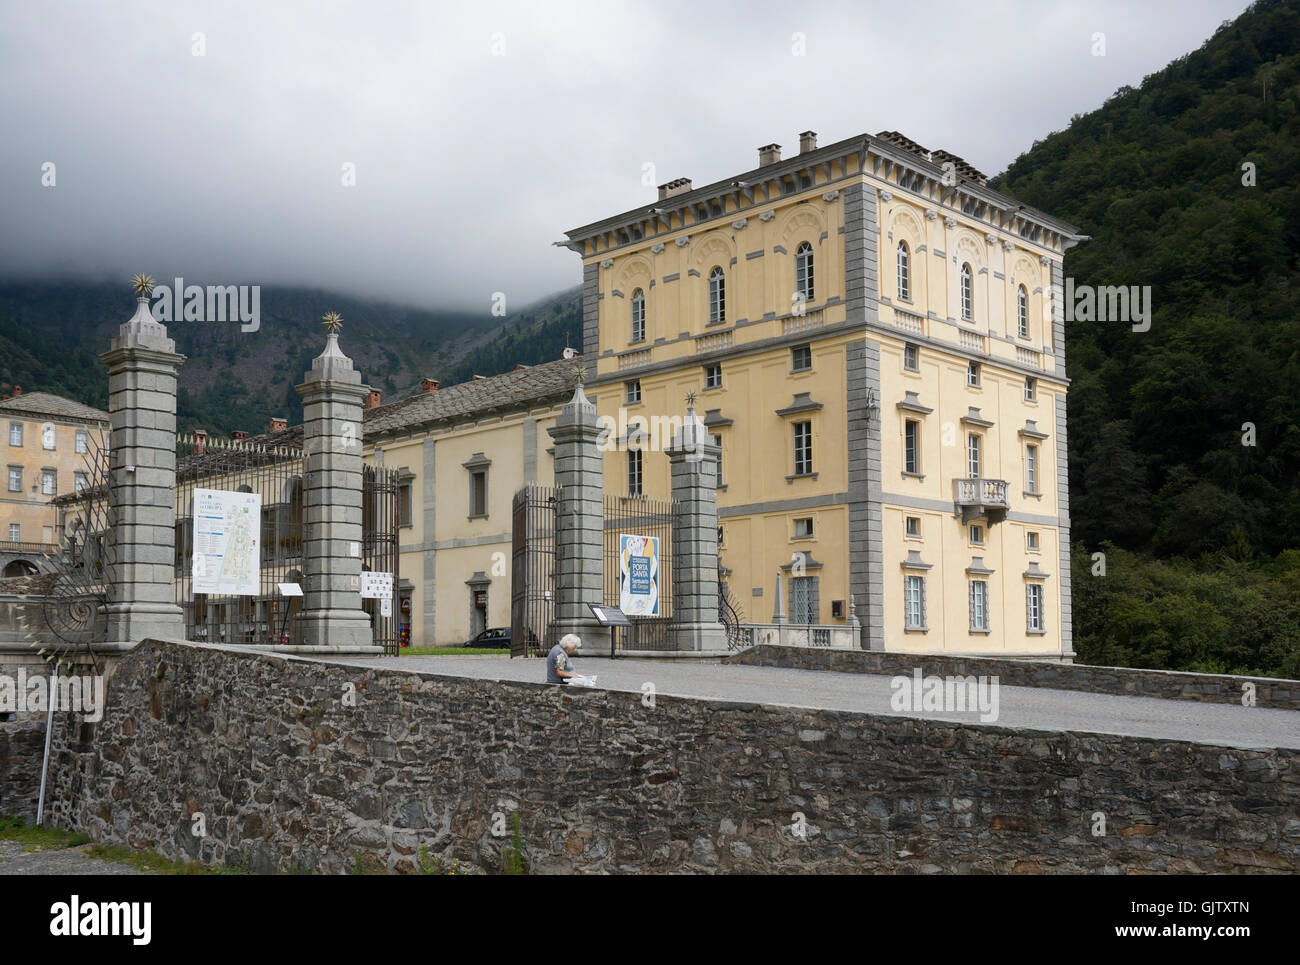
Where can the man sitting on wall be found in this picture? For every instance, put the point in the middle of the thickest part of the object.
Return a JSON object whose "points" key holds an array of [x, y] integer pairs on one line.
{"points": [[558, 668]]}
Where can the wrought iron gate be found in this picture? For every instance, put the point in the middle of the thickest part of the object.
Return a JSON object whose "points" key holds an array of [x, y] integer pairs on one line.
{"points": [[640, 516], [532, 570], [275, 473], [380, 552]]}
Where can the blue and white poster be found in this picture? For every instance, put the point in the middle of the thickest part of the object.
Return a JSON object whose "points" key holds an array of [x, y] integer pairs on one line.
{"points": [[638, 575]]}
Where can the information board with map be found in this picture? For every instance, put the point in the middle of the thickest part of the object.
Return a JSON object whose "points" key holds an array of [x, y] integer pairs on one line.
{"points": [[227, 527]]}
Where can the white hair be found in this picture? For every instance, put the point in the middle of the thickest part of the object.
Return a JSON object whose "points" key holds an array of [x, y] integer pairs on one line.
{"points": [[571, 640]]}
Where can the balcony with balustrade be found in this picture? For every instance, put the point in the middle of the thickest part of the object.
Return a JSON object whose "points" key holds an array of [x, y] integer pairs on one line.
{"points": [[976, 498]]}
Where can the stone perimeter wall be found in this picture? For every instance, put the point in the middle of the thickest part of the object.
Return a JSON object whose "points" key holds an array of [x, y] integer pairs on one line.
{"points": [[288, 778], [1123, 681]]}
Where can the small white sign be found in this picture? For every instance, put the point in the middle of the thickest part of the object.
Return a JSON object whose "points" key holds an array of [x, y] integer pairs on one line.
{"points": [[376, 586], [354, 549], [386, 607], [289, 589]]}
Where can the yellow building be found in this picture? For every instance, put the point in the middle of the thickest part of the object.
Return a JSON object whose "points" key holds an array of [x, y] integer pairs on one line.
{"points": [[462, 452], [48, 441], [869, 329]]}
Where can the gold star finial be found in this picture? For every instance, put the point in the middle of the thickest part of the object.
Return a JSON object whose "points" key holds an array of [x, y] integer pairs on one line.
{"points": [[579, 374], [333, 322], [690, 398], [143, 285]]}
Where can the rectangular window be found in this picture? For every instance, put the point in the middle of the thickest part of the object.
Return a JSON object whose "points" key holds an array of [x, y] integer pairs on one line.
{"points": [[914, 602], [1031, 388], [404, 504], [977, 535], [802, 448], [47, 535], [913, 526], [634, 472], [801, 358], [79, 481], [972, 373], [1031, 469], [83, 441], [1034, 608], [1031, 541], [911, 447], [717, 463], [49, 482], [803, 602], [713, 376], [720, 541], [478, 493], [803, 528], [979, 606], [633, 391], [15, 433], [15, 479], [48, 437], [973, 456], [15, 533], [912, 357]]}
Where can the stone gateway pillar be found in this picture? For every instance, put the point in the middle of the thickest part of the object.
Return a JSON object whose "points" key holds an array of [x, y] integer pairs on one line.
{"points": [[693, 459], [142, 370], [580, 523], [332, 397]]}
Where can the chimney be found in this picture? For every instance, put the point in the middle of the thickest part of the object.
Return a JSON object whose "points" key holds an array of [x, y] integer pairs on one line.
{"points": [[807, 142], [429, 385], [239, 435], [277, 424], [18, 390], [200, 440], [769, 154], [679, 186], [373, 399]]}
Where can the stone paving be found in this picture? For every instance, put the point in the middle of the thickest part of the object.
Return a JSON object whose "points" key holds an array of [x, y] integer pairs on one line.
{"points": [[56, 861], [1025, 707]]}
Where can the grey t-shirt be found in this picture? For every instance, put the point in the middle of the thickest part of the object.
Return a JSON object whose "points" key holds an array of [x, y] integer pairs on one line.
{"points": [[557, 659]]}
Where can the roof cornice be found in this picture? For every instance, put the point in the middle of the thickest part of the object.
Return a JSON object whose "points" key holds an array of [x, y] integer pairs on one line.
{"points": [[876, 158]]}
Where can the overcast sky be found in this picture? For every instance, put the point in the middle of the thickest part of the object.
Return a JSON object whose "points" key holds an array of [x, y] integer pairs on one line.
{"points": [[480, 132]]}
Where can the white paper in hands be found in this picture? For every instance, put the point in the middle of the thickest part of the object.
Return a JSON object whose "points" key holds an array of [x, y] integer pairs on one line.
{"points": [[581, 681]]}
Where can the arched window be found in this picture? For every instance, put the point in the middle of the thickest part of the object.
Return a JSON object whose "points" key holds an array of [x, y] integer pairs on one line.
{"points": [[904, 271], [967, 292], [717, 297], [638, 316], [803, 272], [1022, 311]]}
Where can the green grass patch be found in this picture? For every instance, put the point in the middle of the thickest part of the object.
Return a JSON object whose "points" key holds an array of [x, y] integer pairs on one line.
{"points": [[153, 862], [38, 839], [452, 651]]}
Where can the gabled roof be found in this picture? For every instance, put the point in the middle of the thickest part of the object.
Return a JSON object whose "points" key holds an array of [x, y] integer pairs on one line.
{"points": [[545, 384], [48, 405]]}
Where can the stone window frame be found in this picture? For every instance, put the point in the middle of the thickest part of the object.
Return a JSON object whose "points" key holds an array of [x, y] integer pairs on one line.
{"points": [[1022, 312], [795, 356], [712, 375], [478, 466], [811, 530], [18, 428], [49, 474], [717, 314], [914, 568], [50, 433], [82, 441], [19, 486], [635, 472], [405, 484], [966, 282], [15, 533], [638, 316], [973, 375], [904, 269], [1034, 588], [631, 397], [915, 351], [977, 587], [804, 275], [908, 533]]}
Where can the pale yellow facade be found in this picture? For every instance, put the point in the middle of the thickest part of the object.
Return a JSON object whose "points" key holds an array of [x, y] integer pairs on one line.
{"points": [[852, 204], [46, 452]]}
